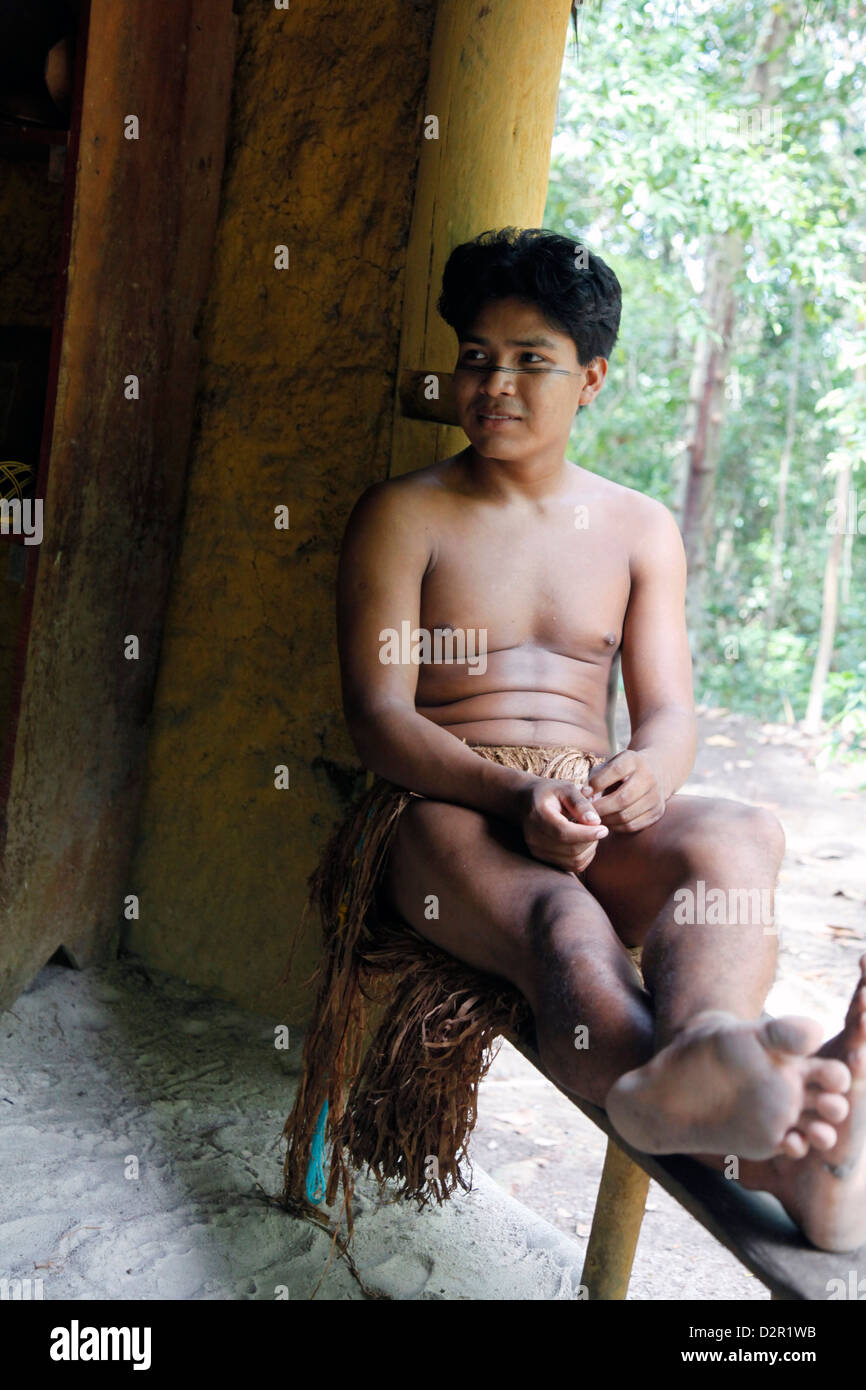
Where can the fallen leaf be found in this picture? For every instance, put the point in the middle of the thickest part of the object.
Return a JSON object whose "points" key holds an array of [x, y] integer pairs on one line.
{"points": [[521, 1121]]}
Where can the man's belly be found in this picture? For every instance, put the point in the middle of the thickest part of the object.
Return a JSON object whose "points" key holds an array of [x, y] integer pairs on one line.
{"points": [[525, 695]]}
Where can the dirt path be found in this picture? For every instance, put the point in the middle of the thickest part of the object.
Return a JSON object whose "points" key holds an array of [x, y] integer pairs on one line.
{"points": [[543, 1151]]}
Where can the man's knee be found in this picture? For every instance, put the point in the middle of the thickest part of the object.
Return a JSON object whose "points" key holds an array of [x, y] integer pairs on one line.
{"points": [[421, 821], [726, 831], [560, 912], [570, 940]]}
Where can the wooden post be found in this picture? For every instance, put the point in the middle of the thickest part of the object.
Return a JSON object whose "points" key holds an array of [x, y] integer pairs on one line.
{"points": [[619, 1209], [489, 116]]}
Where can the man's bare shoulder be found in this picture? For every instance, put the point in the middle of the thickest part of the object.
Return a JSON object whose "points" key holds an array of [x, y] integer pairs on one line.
{"points": [[408, 495], [398, 522], [635, 505], [647, 522]]}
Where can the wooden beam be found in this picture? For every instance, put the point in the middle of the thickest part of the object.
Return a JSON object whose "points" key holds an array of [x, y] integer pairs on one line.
{"points": [[139, 260], [484, 161]]}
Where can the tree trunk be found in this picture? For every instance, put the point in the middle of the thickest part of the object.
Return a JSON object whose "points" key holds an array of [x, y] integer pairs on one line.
{"points": [[814, 709], [705, 412], [706, 408], [778, 555], [839, 547]]}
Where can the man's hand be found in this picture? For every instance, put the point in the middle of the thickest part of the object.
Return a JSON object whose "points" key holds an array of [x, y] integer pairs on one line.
{"points": [[627, 791], [559, 824]]}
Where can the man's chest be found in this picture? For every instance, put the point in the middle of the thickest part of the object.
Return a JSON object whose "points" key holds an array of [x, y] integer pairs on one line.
{"points": [[555, 586]]}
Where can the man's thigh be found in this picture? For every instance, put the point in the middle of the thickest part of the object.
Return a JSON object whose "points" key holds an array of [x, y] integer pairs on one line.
{"points": [[633, 875], [467, 882]]}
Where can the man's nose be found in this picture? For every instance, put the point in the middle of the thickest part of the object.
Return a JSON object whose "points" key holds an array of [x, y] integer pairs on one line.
{"points": [[497, 377]]}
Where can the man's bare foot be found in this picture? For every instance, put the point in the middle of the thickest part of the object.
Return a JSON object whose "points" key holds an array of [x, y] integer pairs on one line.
{"points": [[825, 1192], [728, 1086]]}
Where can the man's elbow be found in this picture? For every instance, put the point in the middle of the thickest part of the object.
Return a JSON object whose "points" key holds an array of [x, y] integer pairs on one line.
{"points": [[685, 714], [368, 719], [671, 710]]}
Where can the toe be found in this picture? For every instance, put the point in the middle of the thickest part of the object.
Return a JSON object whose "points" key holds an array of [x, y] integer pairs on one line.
{"points": [[819, 1134], [829, 1105], [792, 1033], [794, 1145], [828, 1074]]}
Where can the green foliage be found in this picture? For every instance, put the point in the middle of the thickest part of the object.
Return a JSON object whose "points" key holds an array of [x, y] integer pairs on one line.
{"points": [[848, 725], [658, 148]]}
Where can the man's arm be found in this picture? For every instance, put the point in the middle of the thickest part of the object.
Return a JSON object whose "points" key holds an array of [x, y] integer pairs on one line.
{"points": [[657, 676], [387, 549]]}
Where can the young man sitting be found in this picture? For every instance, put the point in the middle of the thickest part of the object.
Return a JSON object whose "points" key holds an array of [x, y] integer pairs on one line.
{"points": [[545, 853]]}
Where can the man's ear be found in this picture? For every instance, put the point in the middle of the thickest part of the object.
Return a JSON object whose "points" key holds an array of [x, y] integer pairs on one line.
{"points": [[595, 376]]}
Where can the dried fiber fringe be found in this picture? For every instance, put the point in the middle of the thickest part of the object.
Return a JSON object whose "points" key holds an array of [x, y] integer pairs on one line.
{"points": [[413, 1096]]}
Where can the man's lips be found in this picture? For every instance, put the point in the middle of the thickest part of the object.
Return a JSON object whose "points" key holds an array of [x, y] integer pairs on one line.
{"points": [[495, 415]]}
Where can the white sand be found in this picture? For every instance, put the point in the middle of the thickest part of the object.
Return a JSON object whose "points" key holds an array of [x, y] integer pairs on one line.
{"points": [[121, 1061]]}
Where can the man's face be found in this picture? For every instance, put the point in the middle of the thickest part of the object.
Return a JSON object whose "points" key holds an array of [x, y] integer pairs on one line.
{"points": [[517, 414]]}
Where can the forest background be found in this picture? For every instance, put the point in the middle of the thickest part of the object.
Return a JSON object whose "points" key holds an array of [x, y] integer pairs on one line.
{"points": [[715, 156]]}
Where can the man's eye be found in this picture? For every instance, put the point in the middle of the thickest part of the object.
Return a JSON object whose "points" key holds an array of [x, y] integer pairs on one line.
{"points": [[478, 353]]}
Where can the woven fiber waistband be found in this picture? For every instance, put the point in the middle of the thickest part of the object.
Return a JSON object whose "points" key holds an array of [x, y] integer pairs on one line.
{"points": [[560, 760]]}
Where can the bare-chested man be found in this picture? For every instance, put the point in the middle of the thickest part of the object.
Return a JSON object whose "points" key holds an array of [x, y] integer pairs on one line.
{"points": [[542, 881]]}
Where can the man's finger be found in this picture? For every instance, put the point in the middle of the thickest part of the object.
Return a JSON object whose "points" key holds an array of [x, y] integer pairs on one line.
{"points": [[625, 794], [602, 778], [569, 832], [551, 806], [624, 819]]}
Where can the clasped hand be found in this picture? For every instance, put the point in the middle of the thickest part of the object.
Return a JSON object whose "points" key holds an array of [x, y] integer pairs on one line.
{"points": [[563, 822]]}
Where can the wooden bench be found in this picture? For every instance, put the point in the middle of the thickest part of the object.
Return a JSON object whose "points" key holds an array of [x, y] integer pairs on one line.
{"points": [[753, 1225]]}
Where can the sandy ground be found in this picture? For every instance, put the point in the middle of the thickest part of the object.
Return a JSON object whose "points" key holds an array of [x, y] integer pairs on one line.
{"points": [[140, 1120], [140, 1130]]}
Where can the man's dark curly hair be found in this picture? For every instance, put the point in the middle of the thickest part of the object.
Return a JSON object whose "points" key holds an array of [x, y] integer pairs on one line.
{"points": [[576, 292]]}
